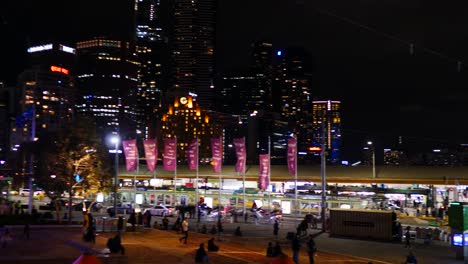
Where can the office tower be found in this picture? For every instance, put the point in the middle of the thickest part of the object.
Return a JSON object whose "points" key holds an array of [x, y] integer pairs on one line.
{"points": [[233, 93], [394, 157], [193, 51], [46, 92], [261, 66], [150, 48], [186, 120], [326, 124], [107, 82], [292, 94]]}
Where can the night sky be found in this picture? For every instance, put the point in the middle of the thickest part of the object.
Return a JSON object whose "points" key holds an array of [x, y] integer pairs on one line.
{"points": [[360, 51]]}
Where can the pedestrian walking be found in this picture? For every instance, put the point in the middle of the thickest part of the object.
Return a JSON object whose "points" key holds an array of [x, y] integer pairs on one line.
{"points": [[220, 228], [185, 228], [200, 255], [295, 246], [311, 249], [408, 237], [276, 229]]}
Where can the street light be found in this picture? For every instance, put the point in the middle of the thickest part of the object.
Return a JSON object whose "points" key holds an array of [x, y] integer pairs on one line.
{"points": [[115, 140], [373, 157]]}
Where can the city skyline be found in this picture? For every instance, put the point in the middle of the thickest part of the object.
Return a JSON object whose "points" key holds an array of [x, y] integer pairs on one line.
{"points": [[385, 85]]}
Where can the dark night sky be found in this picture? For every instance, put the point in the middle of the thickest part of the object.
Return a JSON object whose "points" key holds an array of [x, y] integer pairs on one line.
{"points": [[360, 51]]}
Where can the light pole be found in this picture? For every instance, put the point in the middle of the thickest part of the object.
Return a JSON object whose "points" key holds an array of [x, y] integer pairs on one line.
{"points": [[115, 140], [372, 148]]}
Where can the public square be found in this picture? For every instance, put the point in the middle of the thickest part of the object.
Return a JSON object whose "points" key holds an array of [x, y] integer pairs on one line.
{"points": [[50, 244]]}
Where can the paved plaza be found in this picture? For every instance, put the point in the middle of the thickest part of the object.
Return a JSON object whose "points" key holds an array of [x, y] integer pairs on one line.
{"points": [[51, 245]]}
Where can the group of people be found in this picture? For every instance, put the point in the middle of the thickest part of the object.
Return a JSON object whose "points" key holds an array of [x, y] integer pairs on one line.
{"points": [[201, 256], [276, 251]]}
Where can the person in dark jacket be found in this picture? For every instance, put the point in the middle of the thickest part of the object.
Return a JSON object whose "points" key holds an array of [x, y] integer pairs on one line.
{"points": [[212, 246], [200, 255]]}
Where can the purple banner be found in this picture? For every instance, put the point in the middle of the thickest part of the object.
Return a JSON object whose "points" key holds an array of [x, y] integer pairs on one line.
{"points": [[170, 154], [292, 155], [151, 153], [192, 154], [264, 171], [217, 153], [239, 145], [131, 154]]}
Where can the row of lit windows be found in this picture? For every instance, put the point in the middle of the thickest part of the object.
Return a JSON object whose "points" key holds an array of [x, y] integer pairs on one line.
{"points": [[98, 43]]}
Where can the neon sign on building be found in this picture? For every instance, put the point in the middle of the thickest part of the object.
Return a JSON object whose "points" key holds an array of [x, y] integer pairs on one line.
{"points": [[59, 69]]}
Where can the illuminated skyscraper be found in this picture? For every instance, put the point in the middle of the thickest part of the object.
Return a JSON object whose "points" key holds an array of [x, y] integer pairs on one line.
{"points": [[291, 94], [46, 92], [107, 81], [326, 122], [193, 50], [150, 49]]}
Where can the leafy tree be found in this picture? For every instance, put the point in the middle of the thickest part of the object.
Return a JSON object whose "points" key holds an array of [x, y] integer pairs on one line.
{"points": [[63, 155]]}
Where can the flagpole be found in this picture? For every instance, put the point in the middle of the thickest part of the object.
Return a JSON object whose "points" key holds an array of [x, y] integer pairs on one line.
{"points": [[298, 207], [220, 172], [196, 182], [134, 175], [243, 181], [269, 172], [175, 172]]}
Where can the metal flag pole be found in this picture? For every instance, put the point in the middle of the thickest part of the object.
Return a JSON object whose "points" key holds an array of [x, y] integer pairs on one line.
{"points": [[269, 173], [243, 182], [220, 172], [298, 207], [175, 172], [196, 182]]}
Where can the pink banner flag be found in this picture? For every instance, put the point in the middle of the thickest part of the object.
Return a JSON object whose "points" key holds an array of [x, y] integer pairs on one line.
{"points": [[192, 155], [292, 155], [264, 171], [131, 154], [217, 153], [239, 145], [170, 154], [151, 153]]}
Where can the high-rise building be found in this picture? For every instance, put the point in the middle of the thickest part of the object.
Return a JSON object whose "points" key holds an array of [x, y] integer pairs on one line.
{"points": [[193, 51], [261, 66], [107, 82], [151, 46], [186, 121], [46, 92], [326, 123], [292, 94]]}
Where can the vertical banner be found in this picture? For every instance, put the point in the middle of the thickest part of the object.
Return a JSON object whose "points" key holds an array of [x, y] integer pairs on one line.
{"points": [[192, 155], [170, 152], [239, 145], [151, 153], [264, 171], [216, 152], [292, 155], [131, 154]]}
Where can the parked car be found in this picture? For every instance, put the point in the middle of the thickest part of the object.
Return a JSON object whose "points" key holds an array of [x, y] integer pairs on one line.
{"points": [[25, 192], [161, 210]]}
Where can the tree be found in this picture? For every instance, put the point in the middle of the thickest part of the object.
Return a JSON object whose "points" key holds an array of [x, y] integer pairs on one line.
{"points": [[71, 152]]}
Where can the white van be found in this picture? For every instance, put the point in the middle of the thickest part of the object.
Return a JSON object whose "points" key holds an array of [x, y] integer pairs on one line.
{"points": [[24, 192]]}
